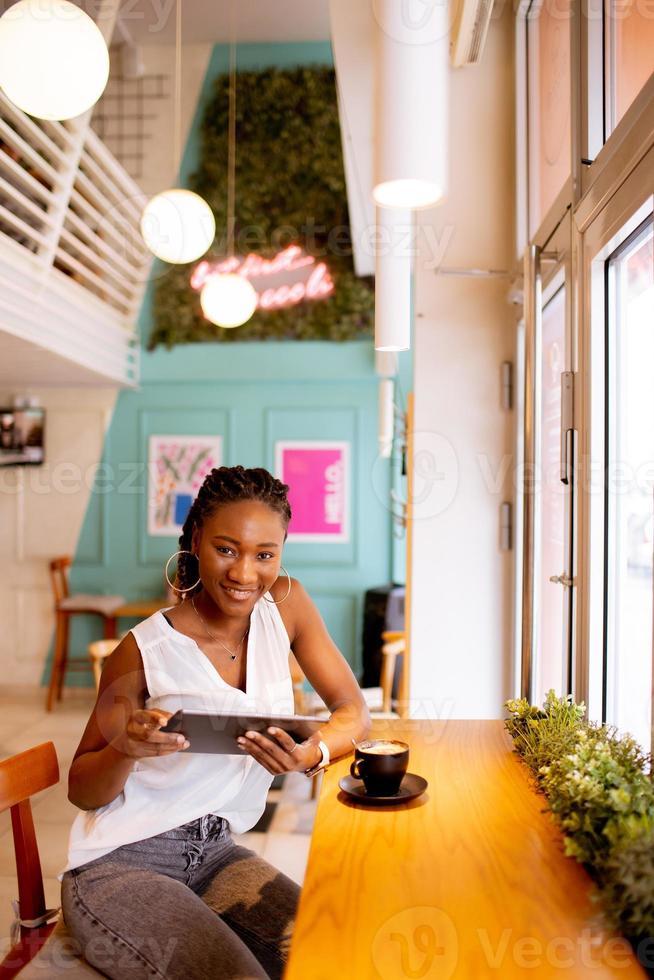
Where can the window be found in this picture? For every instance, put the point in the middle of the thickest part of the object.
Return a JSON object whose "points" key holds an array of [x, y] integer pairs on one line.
{"points": [[629, 31], [551, 644], [629, 485], [548, 59]]}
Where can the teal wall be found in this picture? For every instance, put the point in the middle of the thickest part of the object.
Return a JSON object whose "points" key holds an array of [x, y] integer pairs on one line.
{"points": [[252, 394]]}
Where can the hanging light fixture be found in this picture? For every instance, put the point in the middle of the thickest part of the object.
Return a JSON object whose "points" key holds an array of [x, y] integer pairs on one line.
{"points": [[412, 65], [386, 363], [386, 417], [393, 271], [178, 225], [54, 62], [228, 299]]}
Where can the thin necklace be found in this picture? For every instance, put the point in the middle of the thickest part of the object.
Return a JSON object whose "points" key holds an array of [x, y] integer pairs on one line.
{"points": [[217, 638]]}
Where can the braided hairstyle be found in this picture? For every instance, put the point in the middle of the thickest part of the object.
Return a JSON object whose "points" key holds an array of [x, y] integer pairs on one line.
{"points": [[227, 485]]}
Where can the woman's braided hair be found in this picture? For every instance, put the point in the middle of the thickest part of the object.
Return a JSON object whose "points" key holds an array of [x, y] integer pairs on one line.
{"points": [[227, 485]]}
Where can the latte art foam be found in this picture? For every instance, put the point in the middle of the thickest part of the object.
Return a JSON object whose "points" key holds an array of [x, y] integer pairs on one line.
{"points": [[383, 748]]}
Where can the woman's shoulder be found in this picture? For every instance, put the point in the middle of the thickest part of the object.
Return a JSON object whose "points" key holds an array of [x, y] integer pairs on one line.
{"points": [[150, 630], [292, 603]]}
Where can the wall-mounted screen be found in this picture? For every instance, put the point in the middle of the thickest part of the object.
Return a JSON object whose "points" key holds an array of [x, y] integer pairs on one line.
{"points": [[21, 436]]}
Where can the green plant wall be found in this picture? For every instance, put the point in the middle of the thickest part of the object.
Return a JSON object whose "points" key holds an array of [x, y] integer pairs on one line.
{"points": [[290, 190]]}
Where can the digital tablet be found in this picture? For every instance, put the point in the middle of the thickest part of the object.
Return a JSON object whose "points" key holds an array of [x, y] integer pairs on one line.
{"points": [[218, 733]]}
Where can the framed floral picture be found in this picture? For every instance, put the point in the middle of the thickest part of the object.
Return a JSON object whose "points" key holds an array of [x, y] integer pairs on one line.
{"points": [[177, 466]]}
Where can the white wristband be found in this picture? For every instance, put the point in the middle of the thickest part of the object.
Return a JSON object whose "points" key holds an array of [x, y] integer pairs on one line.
{"points": [[323, 763]]}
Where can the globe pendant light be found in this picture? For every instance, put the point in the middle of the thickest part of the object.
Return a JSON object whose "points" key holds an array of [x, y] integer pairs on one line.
{"points": [[412, 67], [178, 225], [54, 62], [228, 299]]}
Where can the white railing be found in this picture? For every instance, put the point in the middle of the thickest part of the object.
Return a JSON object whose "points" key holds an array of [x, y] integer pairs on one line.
{"points": [[69, 234]]}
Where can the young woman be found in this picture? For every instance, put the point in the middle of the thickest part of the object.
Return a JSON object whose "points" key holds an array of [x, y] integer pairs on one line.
{"points": [[155, 885]]}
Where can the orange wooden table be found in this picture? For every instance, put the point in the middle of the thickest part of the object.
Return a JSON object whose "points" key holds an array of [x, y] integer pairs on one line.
{"points": [[140, 609], [468, 881]]}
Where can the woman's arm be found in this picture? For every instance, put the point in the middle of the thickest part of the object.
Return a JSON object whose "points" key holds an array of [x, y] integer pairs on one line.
{"points": [[119, 732], [330, 675]]}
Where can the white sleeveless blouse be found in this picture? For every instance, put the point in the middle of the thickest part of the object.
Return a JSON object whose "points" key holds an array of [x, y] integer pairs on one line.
{"points": [[165, 792]]}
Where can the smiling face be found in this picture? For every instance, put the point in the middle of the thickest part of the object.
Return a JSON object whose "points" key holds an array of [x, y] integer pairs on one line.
{"points": [[239, 549]]}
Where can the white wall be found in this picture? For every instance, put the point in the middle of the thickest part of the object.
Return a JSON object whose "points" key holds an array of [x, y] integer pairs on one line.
{"points": [[461, 581], [41, 513], [156, 172], [159, 59]]}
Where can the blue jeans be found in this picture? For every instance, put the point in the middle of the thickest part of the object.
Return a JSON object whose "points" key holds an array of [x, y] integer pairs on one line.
{"points": [[185, 904]]}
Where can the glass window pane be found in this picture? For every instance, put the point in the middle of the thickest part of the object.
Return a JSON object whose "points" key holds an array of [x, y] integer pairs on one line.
{"points": [[548, 55], [550, 645], [630, 481], [631, 40]]}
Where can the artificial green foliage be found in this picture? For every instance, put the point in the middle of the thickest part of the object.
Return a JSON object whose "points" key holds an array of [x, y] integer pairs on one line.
{"points": [[628, 892], [599, 789], [542, 734], [290, 189]]}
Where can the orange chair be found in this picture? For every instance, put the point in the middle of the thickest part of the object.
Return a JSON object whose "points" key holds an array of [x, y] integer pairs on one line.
{"points": [[30, 956], [66, 606]]}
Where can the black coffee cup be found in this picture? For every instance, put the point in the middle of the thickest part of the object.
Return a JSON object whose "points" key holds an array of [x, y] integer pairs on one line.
{"points": [[381, 764]]}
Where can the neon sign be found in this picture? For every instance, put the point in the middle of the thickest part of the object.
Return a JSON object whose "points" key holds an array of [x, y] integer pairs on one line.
{"points": [[287, 279]]}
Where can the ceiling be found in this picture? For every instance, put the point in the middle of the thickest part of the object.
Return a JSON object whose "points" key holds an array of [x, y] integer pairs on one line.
{"points": [[149, 22]]}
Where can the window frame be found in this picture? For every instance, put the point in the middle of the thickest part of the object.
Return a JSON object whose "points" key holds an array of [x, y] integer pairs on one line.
{"points": [[613, 224]]}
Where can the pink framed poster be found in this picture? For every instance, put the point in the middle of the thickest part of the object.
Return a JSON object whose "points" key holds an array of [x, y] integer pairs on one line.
{"points": [[318, 474]]}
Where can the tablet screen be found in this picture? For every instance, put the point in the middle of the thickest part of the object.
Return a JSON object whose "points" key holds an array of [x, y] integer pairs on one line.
{"points": [[218, 733]]}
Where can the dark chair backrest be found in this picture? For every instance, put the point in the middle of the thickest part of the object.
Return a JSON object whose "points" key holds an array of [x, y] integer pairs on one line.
{"points": [[21, 776], [59, 577]]}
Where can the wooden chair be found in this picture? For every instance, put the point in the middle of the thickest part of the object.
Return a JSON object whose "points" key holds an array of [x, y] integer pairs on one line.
{"points": [[393, 646], [99, 650], [378, 699], [21, 777], [66, 606]]}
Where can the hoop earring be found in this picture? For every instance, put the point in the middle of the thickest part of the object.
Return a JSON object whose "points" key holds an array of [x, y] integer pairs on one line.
{"points": [[277, 602], [174, 587]]}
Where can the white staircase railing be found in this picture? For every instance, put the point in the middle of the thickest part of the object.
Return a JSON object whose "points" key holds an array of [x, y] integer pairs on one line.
{"points": [[70, 240]]}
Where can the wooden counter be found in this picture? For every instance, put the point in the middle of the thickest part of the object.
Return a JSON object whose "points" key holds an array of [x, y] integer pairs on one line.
{"points": [[467, 881]]}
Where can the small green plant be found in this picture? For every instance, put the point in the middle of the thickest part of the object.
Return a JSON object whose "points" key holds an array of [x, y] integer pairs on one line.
{"points": [[628, 890], [542, 734], [599, 789]]}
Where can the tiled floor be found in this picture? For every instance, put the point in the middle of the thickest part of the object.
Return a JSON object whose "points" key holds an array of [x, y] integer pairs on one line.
{"points": [[24, 723]]}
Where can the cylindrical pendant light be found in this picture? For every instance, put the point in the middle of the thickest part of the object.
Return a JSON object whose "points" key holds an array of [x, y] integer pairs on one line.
{"points": [[386, 364], [386, 420], [412, 66], [178, 225], [393, 269], [54, 62]]}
